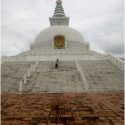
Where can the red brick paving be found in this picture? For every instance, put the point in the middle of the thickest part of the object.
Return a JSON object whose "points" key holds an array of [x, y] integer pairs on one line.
{"points": [[63, 109]]}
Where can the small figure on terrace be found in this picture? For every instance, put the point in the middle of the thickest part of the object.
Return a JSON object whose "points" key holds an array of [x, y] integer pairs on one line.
{"points": [[57, 64]]}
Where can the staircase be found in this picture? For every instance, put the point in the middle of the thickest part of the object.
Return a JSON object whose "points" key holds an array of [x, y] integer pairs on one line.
{"points": [[71, 77], [102, 75], [11, 74], [48, 79]]}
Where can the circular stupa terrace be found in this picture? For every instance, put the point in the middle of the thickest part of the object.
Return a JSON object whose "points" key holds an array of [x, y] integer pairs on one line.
{"points": [[80, 69]]}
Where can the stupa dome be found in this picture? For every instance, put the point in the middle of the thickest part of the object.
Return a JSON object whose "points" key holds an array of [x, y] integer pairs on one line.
{"points": [[48, 35]]}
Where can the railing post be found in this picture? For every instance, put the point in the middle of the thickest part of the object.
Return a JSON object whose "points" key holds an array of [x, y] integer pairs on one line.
{"points": [[25, 79], [28, 73], [21, 86]]}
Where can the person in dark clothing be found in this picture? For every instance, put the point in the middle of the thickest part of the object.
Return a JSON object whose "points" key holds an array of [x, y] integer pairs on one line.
{"points": [[57, 64]]}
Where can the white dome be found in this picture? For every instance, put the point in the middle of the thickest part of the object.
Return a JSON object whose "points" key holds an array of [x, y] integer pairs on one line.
{"points": [[69, 33], [46, 36]]}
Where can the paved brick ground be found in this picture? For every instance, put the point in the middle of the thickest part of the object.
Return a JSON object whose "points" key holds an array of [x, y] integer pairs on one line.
{"points": [[63, 109]]}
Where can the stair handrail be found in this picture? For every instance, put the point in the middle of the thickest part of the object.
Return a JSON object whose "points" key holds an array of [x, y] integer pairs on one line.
{"points": [[99, 55], [27, 75], [115, 60]]}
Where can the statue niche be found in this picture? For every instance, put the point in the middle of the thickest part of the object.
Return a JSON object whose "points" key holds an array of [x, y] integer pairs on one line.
{"points": [[59, 42]]}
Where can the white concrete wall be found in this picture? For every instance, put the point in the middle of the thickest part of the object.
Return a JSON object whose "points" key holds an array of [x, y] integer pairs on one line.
{"points": [[68, 45], [77, 45], [42, 45], [54, 54]]}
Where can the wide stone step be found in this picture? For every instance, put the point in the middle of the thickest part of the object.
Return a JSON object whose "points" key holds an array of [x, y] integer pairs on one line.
{"points": [[102, 74], [48, 79], [12, 73]]}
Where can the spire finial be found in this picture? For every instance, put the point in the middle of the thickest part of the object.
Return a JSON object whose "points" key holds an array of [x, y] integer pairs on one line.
{"points": [[59, 17], [59, 2]]}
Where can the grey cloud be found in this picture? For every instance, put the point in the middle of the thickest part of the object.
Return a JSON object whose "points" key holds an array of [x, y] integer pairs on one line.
{"points": [[99, 21]]}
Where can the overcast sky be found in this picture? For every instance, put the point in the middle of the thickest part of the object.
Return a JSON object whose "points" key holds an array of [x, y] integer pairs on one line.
{"points": [[99, 21]]}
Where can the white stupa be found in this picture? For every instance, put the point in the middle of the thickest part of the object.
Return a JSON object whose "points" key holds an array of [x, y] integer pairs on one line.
{"points": [[80, 69]]}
